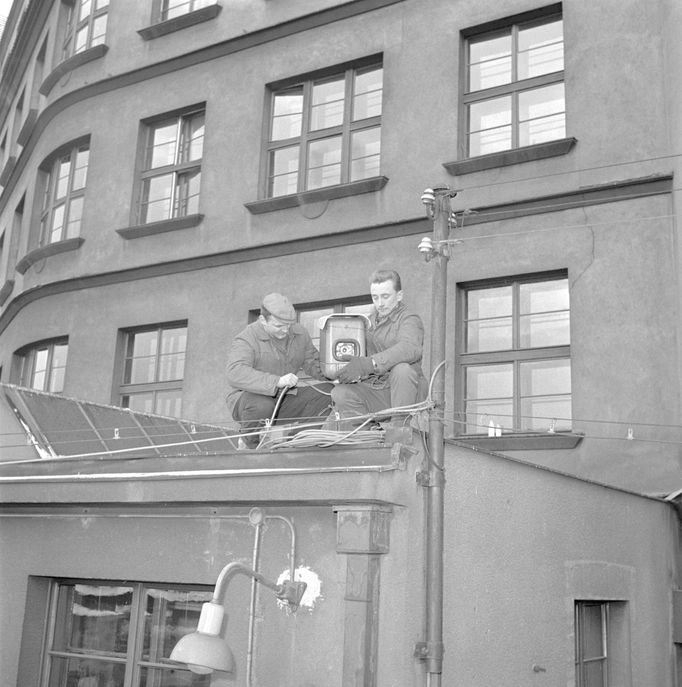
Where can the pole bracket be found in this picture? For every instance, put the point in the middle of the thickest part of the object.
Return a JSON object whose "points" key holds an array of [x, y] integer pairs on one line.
{"points": [[429, 651]]}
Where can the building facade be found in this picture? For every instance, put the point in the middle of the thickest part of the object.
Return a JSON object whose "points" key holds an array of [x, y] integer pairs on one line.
{"points": [[165, 164]]}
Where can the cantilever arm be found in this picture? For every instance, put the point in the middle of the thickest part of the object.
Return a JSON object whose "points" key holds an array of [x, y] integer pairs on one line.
{"points": [[290, 591]]}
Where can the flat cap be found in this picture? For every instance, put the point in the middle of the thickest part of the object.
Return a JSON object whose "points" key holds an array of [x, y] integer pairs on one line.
{"points": [[279, 306]]}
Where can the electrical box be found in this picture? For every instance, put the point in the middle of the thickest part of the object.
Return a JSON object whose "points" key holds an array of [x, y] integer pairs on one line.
{"points": [[342, 336]]}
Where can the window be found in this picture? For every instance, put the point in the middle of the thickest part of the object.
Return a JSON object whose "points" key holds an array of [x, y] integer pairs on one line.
{"points": [[591, 623], [174, 8], [153, 369], [325, 131], [120, 633], [86, 26], [515, 370], [62, 210], [42, 366], [515, 86], [171, 174]]}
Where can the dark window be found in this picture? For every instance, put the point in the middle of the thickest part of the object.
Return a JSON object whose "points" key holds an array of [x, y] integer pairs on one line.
{"points": [[154, 368], [62, 209], [325, 131], [94, 626], [515, 368], [42, 365], [591, 660], [86, 26], [171, 174], [514, 78]]}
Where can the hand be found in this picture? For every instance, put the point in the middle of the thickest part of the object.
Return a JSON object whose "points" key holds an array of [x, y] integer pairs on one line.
{"points": [[358, 368], [287, 380]]}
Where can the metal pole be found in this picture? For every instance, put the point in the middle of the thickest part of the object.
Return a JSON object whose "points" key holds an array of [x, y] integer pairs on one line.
{"points": [[436, 476]]}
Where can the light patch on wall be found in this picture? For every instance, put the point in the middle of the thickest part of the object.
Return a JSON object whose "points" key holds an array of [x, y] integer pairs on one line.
{"points": [[313, 590]]}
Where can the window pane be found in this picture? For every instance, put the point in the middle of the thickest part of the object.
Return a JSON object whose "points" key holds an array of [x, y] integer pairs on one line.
{"points": [[81, 39], [541, 49], [365, 153], [490, 126], [595, 674], [157, 198], [81, 168], [489, 335], [162, 147], [86, 672], [75, 215], [187, 194], [545, 394], [489, 62], [541, 115], [592, 630], [99, 30], [287, 114], [141, 403], [542, 377], [479, 414], [63, 173], [59, 353], [85, 7], [327, 104], [169, 403], [40, 369], [367, 96], [545, 316], [141, 358], [193, 138], [489, 323], [284, 171], [169, 615], [324, 162], [489, 381], [95, 618], [539, 414], [57, 223]]}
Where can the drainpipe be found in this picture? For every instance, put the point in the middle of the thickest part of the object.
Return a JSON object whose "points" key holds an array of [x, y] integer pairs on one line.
{"points": [[437, 250]]}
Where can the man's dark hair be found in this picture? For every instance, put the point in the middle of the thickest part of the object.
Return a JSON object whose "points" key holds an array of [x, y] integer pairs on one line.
{"points": [[380, 276]]}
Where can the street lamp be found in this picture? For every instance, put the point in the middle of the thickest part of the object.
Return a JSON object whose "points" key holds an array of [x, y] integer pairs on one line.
{"points": [[205, 650]]}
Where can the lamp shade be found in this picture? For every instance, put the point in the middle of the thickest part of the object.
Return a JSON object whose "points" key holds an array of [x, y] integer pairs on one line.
{"points": [[205, 650]]}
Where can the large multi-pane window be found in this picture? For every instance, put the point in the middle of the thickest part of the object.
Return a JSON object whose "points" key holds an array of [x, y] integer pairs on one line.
{"points": [[153, 369], [42, 366], [109, 634], [325, 131], [515, 368], [86, 26], [171, 174], [591, 653], [62, 207], [515, 86]]}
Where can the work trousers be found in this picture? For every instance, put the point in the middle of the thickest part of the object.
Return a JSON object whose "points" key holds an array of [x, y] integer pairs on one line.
{"points": [[251, 410], [405, 387]]}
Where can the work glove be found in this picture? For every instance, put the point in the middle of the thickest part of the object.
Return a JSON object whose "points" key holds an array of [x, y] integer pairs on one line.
{"points": [[358, 368]]}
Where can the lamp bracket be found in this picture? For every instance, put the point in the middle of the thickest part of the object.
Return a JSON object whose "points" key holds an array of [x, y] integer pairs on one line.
{"points": [[291, 593], [426, 651]]}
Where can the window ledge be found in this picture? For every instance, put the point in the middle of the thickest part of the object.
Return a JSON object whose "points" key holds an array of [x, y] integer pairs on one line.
{"points": [[27, 127], [164, 225], [5, 290], [511, 157], [70, 64], [182, 22], [48, 251], [354, 188], [529, 441], [7, 170]]}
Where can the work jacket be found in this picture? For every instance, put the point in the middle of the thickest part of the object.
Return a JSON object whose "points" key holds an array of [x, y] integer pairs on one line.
{"points": [[397, 338], [256, 361]]}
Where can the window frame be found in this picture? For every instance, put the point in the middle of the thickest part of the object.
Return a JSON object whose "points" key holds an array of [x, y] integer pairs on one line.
{"points": [[581, 680], [512, 89], [50, 202], [192, 6], [133, 660], [25, 362], [74, 26], [178, 206], [128, 389], [345, 130], [515, 356]]}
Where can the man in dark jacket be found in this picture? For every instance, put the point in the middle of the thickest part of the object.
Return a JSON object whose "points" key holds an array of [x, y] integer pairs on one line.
{"points": [[263, 362], [390, 375]]}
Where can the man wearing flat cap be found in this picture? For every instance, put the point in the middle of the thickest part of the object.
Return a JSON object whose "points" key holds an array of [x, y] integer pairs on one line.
{"points": [[264, 359]]}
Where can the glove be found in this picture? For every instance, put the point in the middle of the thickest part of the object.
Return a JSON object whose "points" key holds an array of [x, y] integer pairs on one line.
{"points": [[358, 368]]}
